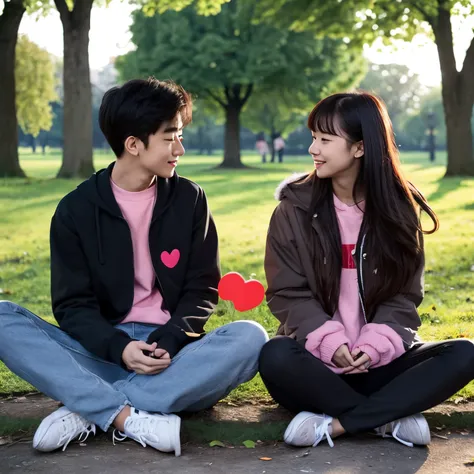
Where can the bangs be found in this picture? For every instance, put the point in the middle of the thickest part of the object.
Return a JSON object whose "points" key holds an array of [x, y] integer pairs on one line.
{"points": [[324, 118]]}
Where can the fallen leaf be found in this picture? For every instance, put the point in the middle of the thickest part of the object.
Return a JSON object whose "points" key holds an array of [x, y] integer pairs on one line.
{"points": [[217, 443], [249, 443], [303, 455], [436, 435], [5, 440], [265, 459]]}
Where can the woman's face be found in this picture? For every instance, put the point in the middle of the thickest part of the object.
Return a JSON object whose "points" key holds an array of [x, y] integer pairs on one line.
{"points": [[334, 156]]}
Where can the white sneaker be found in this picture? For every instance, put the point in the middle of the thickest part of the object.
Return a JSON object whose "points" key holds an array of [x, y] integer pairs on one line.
{"points": [[59, 429], [158, 431], [408, 431], [308, 429]]}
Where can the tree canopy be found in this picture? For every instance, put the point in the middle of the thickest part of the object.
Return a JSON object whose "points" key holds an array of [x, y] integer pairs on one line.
{"points": [[226, 59], [35, 87]]}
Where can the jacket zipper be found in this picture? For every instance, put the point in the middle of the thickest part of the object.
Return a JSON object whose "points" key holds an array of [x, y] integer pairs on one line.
{"points": [[160, 286], [361, 279], [133, 265]]}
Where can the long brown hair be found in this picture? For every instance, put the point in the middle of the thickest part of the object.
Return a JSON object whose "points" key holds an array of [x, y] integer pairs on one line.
{"points": [[391, 223]]}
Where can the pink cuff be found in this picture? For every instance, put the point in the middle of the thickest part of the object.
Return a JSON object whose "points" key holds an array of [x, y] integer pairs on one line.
{"points": [[326, 340], [381, 343]]}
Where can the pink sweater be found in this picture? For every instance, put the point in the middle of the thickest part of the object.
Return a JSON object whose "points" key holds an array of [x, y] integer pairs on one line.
{"points": [[137, 209], [380, 342]]}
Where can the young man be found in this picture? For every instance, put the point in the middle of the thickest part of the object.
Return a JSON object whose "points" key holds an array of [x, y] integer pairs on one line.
{"points": [[134, 274]]}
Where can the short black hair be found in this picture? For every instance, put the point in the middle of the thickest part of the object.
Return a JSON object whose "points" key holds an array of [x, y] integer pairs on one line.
{"points": [[139, 107]]}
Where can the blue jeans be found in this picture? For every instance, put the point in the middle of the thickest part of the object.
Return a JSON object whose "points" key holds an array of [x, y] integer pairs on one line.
{"points": [[200, 375]]}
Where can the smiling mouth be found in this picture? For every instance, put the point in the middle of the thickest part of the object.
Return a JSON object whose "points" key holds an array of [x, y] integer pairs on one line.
{"points": [[319, 162], [173, 162]]}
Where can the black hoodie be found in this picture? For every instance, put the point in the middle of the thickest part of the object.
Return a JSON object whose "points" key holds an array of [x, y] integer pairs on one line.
{"points": [[92, 274]]}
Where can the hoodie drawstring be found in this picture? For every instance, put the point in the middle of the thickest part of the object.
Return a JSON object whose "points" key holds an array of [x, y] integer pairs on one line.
{"points": [[99, 237]]}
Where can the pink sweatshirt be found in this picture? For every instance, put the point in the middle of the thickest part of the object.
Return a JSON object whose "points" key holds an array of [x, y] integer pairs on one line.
{"points": [[379, 341], [137, 209]]}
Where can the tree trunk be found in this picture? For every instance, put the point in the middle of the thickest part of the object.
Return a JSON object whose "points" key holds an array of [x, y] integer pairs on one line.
{"points": [[9, 24], [232, 137], [77, 145], [201, 140], [272, 146], [459, 138], [458, 98], [232, 108]]}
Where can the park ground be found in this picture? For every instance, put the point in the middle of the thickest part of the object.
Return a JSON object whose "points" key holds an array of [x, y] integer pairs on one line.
{"points": [[242, 202]]}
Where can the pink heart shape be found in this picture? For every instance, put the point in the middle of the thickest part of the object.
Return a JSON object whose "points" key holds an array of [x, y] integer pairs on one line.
{"points": [[170, 259]]}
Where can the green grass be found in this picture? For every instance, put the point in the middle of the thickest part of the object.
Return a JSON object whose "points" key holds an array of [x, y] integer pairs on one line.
{"points": [[241, 202]]}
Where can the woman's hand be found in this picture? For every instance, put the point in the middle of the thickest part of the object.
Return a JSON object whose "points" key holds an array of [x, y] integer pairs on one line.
{"points": [[342, 358], [361, 362]]}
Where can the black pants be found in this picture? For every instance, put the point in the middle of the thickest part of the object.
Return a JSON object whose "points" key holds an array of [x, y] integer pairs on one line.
{"points": [[423, 377]]}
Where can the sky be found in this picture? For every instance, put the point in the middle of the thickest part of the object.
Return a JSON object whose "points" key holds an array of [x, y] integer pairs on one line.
{"points": [[109, 37]]}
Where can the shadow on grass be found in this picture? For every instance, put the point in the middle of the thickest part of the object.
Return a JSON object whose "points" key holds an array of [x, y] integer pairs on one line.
{"points": [[39, 206], [446, 186]]}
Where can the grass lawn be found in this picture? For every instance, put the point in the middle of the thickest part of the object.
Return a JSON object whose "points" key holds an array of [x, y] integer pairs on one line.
{"points": [[241, 202]]}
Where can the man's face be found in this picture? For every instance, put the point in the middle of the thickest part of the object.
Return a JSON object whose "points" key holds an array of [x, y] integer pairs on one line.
{"points": [[164, 149]]}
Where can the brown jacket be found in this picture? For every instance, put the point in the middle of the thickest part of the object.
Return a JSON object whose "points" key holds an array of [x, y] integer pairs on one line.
{"points": [[291, 276]]}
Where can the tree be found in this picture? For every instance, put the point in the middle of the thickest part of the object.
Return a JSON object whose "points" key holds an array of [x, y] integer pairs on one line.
{"points": [[283, 109], [10, 19], [226, 58], [202, 7], [399, 88], [364, 20], [78, 131], [77, 150], [35, 87]]}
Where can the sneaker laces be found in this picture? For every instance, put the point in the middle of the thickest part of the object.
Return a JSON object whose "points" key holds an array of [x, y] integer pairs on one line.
{"points": [[395, 433], [70, 427], [140, 424], [118, 437], [322, 432], [395, 427]]}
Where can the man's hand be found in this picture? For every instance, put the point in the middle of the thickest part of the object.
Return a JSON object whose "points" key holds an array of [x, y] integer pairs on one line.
{"points": [[136, 360], [160, 354]]}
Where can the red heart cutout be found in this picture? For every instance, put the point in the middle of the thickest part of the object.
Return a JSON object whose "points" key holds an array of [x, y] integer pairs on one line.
{"points": [[244, 294], [170, 259]]}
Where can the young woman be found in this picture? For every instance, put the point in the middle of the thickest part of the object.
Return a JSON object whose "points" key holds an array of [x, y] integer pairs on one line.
{"points": [[344, 265], [262, 147], [279, 147]]}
